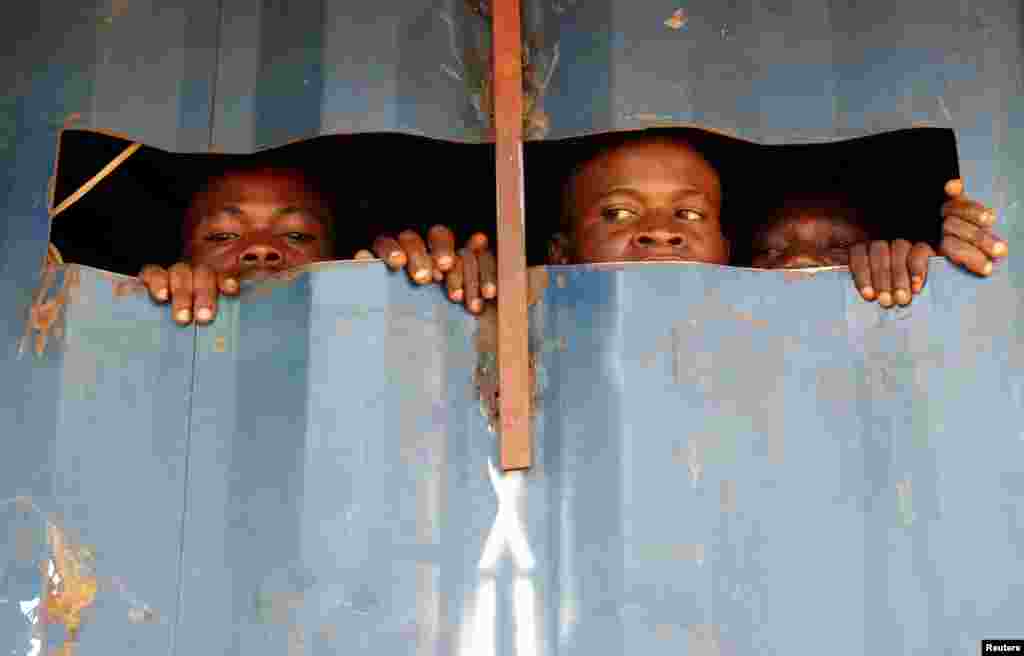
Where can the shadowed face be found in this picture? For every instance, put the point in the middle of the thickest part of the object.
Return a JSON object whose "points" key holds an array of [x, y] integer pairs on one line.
{"points": [[808, 233], [253, 223], [650, 200]]}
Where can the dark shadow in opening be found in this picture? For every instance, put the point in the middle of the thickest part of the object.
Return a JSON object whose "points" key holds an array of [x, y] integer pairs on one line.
{"points": [[375, 183], [896, 178]]}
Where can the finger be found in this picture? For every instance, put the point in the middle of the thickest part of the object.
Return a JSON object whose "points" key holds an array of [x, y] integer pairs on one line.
{"points": [[157, 281], [982, 239], [455, 278], [954, 187], [437, 275], [969, 210], [181, 292], [204, 293], [227, 283], [917, 262], [901, 290], [488, 274], [390, 251], [363, 254], [471, 281], [477, 242], [419, 266], [881, 271], [860, 267], [966, 255], [442, 247]]}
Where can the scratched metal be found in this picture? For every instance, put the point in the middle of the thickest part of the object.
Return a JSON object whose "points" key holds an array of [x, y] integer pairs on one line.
{"points": [[766, 463], [94, 430], [340, 497], [792, 71], [294, 70]]}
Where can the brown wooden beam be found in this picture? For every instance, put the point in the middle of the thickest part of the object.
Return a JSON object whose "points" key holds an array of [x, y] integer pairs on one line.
{"points": [[513, 336]]}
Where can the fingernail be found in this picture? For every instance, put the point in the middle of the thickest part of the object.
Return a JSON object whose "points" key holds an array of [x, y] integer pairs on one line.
{"points": [[987, 269], [456, 295], [902, 296], [916, 283], [885, 299], [204, 314], [868, 292], [476, 305], [999, 248], [490, 290], [422, 275], [184, 316], [162, 294], [444, 262], [231, 284]]}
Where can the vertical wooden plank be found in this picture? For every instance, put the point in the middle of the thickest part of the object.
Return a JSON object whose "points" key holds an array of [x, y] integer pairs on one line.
{"points": [[513, 352]]}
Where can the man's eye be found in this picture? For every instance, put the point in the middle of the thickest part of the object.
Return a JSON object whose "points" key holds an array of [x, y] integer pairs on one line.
{"points": [[689, 215], [617, 214], [221, 236], [300, 236]]}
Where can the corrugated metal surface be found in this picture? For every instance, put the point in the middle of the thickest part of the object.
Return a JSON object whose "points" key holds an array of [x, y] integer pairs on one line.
{"points": [[764, 463]]}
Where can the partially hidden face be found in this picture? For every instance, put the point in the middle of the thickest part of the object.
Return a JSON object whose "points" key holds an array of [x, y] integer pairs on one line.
{"points": [[806, 233], [252, 223], [650, 200]]}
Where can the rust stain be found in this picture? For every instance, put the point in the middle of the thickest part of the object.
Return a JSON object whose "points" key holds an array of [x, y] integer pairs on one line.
{"points": [[538, 283], [71, 119], [45, 313], [220, 344], [486, 376], [73, 588], [677, 20], [746, 316]]}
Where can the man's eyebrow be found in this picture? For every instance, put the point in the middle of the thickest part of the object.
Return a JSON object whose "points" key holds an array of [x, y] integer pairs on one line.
{"points": [[296, 209]]}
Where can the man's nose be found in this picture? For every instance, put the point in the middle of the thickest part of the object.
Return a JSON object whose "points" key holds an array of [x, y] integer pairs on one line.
{"points": [[261, 255], [658, 237]]}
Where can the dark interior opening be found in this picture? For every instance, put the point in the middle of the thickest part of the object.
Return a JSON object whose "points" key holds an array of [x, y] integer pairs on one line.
{"points": [[375, 183], [385, 183], [895, 178]]}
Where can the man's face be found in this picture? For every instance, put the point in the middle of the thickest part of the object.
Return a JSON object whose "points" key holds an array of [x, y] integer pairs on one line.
{"points": [[257, 222], [648, 201], [809, 234]]}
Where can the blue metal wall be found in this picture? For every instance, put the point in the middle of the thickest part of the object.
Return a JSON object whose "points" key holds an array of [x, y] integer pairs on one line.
{"points": [[756, 465]]}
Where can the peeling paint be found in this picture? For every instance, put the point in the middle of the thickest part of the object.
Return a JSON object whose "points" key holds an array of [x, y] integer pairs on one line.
{"points": [[538, 283], [45, 315], [265, 286], [677, 20], [486, 374], [904, 498], [560, 280], [703, 640], [746, 316], [727, 496]]}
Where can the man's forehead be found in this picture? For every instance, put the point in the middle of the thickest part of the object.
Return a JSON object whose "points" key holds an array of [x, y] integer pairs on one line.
{"points": [[638, 161], [235, 188]]}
